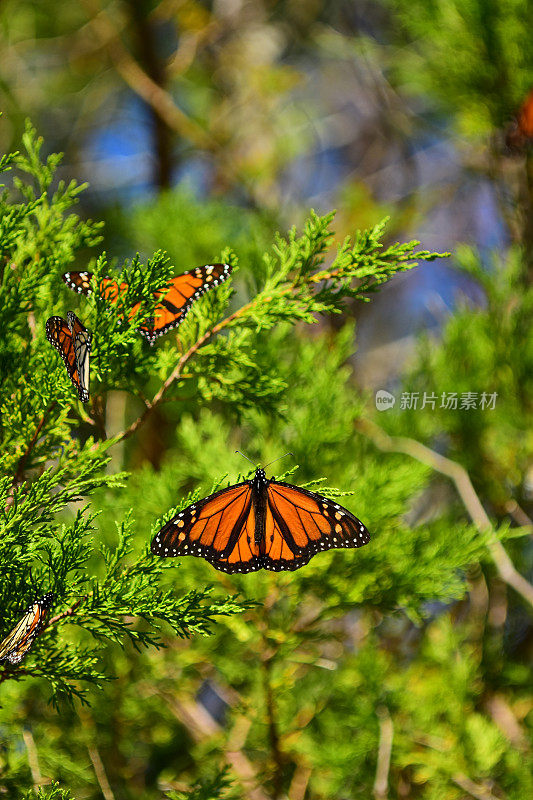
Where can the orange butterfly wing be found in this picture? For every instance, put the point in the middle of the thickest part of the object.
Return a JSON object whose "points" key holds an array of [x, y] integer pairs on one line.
{"points": [[73, 342], [18, 642], [300, 524], [219, 528], [174, 303], [294, 525]]}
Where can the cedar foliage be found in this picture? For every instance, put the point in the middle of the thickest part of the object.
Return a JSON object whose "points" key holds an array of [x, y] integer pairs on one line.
{"points": [[300, 670], [55, 453]]}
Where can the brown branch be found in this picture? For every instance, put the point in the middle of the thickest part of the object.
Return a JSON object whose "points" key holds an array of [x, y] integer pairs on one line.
{"points": [[202, 726], [458, 474], [299, 783], [175, 375], [518, 514], [99, 771], [68, 613], [33, 758], [22, 463], [504, 717], [386, 733], [96, 760], [142, 84], [473, 789]]}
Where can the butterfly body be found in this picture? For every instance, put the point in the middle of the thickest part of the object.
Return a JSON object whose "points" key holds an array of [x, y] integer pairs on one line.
{"points": [[20, 639], [174, 303], [72, 340], [259, 524]]}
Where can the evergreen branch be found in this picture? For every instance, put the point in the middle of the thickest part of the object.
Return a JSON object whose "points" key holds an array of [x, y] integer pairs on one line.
{"points": [[460, 477], [68, 613], [295, 291], [175, 375]]}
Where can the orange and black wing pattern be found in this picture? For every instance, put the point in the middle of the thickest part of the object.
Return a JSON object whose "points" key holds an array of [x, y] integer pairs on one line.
{"points": [[260, 524], [174, 303], [72, 340], [299, 524], [219, 528], [18, 642]]}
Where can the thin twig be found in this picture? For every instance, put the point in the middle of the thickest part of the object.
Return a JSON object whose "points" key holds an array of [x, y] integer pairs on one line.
{"points": [[473, 789], [504, 717], [299, 783], [386, 733], [99, 771], [96, 760], [22, 463], [458, 474], [202, 726], [33, 758], [175, 375], [518, 514], [68, 613]]}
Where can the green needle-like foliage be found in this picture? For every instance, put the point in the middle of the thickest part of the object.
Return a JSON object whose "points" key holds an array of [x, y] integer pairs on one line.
{"points": [[295, 663]]}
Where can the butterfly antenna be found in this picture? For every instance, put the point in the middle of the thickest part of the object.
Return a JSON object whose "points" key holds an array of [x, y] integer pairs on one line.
{"points": [[278, 459], [246, 457]]}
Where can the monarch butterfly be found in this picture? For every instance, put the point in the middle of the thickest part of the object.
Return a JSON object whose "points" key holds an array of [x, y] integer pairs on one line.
{"points": [[520, 131], [174, 303], [73, 341], [257, 524], [18, 642]]}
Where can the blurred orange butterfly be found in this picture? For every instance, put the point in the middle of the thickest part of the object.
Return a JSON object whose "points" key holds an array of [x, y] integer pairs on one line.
{"points": [[174, 303], [73, 341], [259, 524], [520, 132], [18, 642]]}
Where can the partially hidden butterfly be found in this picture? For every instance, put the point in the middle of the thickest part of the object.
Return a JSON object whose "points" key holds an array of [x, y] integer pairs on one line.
{"points": [[18, 642], [520, 131], [259, 524], [73, 341], [174, 303]]}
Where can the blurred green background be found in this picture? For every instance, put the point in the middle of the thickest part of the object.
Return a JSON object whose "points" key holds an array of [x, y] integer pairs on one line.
{"points": [[403, 671]]}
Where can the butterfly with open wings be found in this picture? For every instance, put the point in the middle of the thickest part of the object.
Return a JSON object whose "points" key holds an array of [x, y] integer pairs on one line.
{"points": [[20, 639], [73, 341], [174, 303], [259, 524]]}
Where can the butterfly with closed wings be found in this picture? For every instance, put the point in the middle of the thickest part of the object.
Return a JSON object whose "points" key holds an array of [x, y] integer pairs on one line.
{"points": [[18, 642], [73, 341], [259, 524], [174, 303]]}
